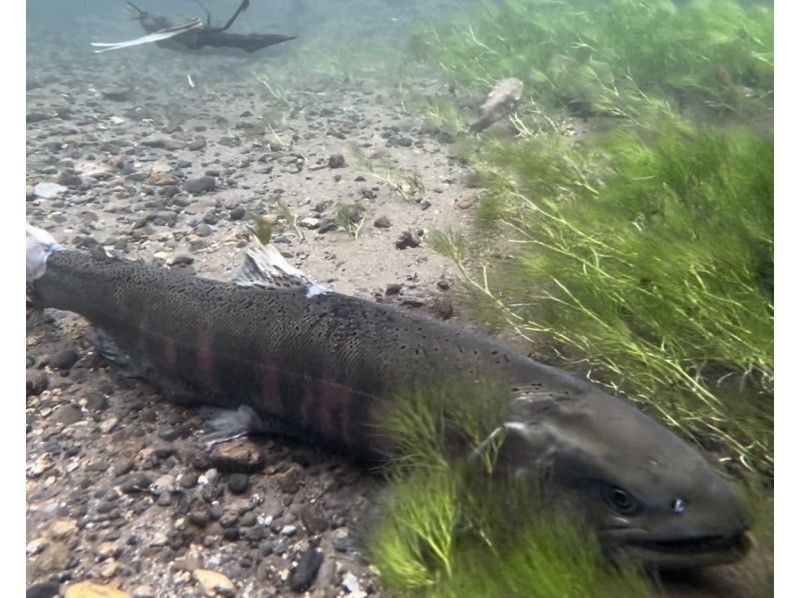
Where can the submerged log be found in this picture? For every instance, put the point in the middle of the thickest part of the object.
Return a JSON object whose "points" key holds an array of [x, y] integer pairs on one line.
{"points": [[195, 38]]}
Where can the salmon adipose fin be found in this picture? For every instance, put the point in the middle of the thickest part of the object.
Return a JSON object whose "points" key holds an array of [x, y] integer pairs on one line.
{"points": [[265, 267]]}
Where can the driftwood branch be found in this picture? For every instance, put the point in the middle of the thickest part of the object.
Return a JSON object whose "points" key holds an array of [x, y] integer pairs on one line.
{"points": [[194, 38]]}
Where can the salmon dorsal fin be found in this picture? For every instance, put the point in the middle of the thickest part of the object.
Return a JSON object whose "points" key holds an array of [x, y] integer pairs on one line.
{"points": [[265, 267]]}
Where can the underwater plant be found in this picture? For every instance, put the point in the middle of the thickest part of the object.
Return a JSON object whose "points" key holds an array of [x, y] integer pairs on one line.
{"points": [[616, 57], [650, 255]]}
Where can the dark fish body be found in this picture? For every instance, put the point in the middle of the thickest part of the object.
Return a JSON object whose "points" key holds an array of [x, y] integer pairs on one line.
{"points": [[326, 367], [319, 366]]}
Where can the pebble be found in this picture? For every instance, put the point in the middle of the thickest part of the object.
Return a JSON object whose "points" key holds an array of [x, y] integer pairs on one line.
{"points": [[238, 482], [407, 239], [213, 583], [237, 213], [109, 424], [327, 225], [306, 571], [200, 185], [336, 161], [48, 190], [310, 223], [63, 359], [189, 480], [240, 456], [202, 230], [383, 222], [199, 517], [36, 381], [109, 569], [351, 585], [88, 589], [47, 589], [289, 481], [342, 542], [313, 517], [67, 414], [116, 94]]}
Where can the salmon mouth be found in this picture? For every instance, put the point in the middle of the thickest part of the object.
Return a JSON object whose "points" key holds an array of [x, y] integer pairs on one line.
{"points": [[699, 551]]}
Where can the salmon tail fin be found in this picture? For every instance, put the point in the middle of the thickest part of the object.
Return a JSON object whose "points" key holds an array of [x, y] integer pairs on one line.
{"points": [[39, 244], [265, 267]]}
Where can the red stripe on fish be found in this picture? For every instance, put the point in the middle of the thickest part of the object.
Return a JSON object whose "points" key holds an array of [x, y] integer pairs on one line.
{"points": [[205, 358], [171, 352]]}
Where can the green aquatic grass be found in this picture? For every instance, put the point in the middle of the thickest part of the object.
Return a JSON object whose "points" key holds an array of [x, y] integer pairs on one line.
{"points": [[650, 254], [620, 57], [448, 528]]}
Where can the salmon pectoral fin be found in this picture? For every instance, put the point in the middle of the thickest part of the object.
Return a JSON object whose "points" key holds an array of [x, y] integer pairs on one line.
{"points": [[110, 351], [229, 424]]}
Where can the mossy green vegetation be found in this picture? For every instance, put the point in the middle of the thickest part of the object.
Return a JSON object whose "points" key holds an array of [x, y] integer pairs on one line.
{"points": [[614, 57], [448, 528]]}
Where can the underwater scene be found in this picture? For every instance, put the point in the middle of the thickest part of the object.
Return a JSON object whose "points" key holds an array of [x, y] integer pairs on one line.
{"points": [[451, 298]]}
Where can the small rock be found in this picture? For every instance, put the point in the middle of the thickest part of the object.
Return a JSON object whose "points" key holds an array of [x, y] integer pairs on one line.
{"points": [[383, 222], [62, 528], [97, 402], [313, 517], [393, 288], [197, 144], [143, 592], [202, 230], [48, 190], [327, 225], [109, 424], [237, 213], [306, 571], [289, 481], [289, 530], [342, 542], [36, 381], [164, 484], [88, 589], [443, 284], [47, 589], [351, 585], [67, 414], [310, 223], [63, 359], [200, 185], [123, 468], [407, 239], [116, 94], [109, 569], [243, 456], [35, 117], [189, 480], [336, 161], [213, 583], [238, 482]]}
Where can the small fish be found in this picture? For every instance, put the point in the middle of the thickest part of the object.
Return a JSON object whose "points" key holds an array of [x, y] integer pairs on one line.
{"points": [[501, 99], [284, 355]]}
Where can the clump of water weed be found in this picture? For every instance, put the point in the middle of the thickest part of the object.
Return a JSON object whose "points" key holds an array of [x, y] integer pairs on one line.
{"points": [[650, 254], [615, 57]]}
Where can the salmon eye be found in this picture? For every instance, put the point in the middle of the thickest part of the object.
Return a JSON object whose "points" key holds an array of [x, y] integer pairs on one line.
{"points": [[621, 500]]}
